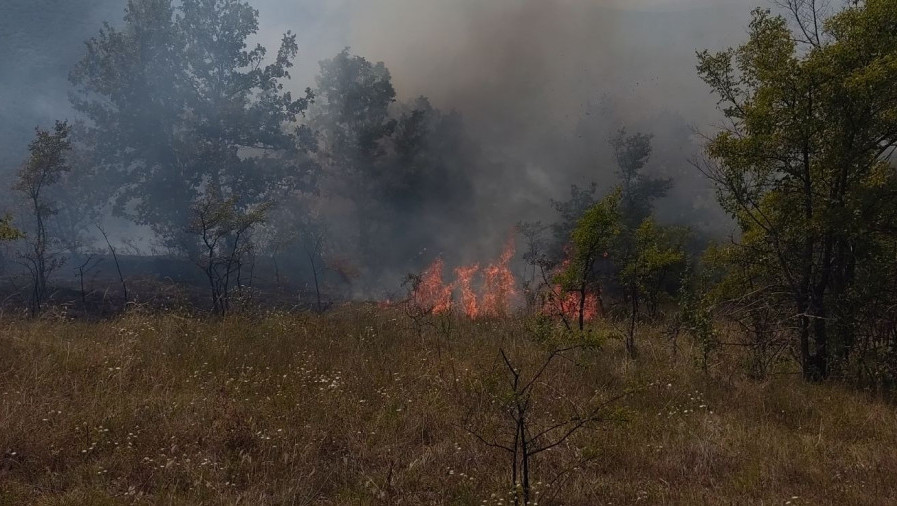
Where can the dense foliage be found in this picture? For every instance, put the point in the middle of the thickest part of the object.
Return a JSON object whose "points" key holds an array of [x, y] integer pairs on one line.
{"points": [[179, 105], [804, 167]]}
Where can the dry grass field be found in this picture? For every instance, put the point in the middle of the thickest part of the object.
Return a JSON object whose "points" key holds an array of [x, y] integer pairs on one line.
{"points": [[362, 406]]}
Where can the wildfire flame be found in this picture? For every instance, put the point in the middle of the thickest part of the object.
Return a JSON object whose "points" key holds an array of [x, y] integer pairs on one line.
{"points": [[567, 304], [492, 296], [499, 286], [430, 292], [558, 302], [464, 282], [491, 291]]}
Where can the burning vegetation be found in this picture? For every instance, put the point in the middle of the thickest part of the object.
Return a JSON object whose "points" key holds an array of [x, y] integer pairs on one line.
{"points": [[268, 218], [492, 292], [475, 292]]}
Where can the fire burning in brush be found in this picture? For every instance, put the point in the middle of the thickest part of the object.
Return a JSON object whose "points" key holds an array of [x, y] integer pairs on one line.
{"points": [[490, 291], [499, 285], [568, 304], [464, 276], [430, 292]]}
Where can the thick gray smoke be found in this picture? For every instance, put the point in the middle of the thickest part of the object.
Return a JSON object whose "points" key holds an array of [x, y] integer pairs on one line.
{"points": [[541, 84]]}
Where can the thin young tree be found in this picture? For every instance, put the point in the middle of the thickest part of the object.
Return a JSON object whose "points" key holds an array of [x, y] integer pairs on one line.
{"points": [[44, 167], [224, 231], [121, 277], [529, 436], [645, 257]]}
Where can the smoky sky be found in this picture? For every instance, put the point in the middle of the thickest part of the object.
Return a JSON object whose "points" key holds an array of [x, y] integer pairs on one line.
{"points": [[503, 62], [540, 83], [533, 80]]}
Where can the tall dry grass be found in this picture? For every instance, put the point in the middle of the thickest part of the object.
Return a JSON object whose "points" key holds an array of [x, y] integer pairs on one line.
{"points": [[362, 406]]}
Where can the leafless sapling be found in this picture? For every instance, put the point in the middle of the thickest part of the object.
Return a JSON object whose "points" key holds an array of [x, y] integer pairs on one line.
{"points": [[121, 278], [528, 436]]}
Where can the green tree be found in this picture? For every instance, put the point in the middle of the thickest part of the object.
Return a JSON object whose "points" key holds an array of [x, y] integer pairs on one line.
{"points": [[569, 212], [44, 167], [592, 241], [733, 286], [402, 165], [178, 104], [351, 109], [603, 250], [646, 257], [803, 164], [225, 230], [638, 191], [352, 121]]}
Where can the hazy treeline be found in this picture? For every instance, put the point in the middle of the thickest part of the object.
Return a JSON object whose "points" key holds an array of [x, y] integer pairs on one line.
{"points": [[190, 131], [185, 129], [168, 109]]}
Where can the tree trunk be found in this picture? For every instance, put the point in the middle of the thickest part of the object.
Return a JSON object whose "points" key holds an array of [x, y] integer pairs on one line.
{"points": [[633, 320], [582, 306], [314, 273]]}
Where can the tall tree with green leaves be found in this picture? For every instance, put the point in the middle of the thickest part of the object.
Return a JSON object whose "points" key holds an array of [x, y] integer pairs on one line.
{"points": [[805, 164], [351, 118], [178, 105]]}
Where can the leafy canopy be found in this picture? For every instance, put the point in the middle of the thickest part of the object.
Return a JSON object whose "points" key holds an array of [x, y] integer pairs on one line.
{"points": [[177, 102], [805, 164]]}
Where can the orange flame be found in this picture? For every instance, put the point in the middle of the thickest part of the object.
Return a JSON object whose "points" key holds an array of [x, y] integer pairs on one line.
{"points": [[495, 298], [567, 305], [557, 302], [491, 291], [499, 287], [464, 281], [431, 293]]}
